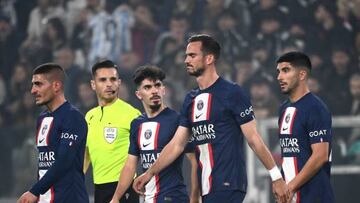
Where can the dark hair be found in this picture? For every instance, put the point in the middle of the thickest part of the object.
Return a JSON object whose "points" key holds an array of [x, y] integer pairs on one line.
{"points": [[103, 64], [209, 44], [297, 59], [148, 72], [53, 70], [60, 28]]}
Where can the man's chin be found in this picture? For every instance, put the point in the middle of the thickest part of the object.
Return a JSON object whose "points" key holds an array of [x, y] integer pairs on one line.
{"points": [[155, 107], [39, 103], [285, 91]]}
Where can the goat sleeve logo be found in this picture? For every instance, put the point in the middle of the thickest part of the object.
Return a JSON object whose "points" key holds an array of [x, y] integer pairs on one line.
{"points": [[110, 134]]}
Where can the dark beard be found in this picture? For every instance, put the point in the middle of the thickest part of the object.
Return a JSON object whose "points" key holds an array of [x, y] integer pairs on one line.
{"points": [[197, 72], [155, 107]]}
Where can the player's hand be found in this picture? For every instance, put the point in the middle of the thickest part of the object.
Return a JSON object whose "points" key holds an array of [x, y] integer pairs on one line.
{"points": [[27, 197], [194, 200], [291, 192], [115, 200], [280, 191], [140, 182]]}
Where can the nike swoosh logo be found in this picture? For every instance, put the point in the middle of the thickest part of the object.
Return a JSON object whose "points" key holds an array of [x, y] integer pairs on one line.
{"points": [[285, 128], [198, 116], [145, 145], [40, 141]]}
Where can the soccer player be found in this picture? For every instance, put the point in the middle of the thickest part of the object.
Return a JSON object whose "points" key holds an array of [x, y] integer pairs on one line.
{"points": [[150, 132], [304, 132], [219, 116], [60, 139], [109, 130]]}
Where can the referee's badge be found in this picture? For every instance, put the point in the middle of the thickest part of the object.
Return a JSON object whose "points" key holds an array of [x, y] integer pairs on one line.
{"points": [[110, 134]]}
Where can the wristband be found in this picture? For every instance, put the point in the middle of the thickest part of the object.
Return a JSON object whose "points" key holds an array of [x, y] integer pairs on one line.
{"points": [[275, 173]]}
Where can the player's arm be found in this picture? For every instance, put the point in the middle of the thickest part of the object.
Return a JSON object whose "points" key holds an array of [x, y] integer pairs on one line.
{"points": [[170, 152], [319, 156], [195, 192], [86, 160], [65, 155], [257, 144], [126, 178]]}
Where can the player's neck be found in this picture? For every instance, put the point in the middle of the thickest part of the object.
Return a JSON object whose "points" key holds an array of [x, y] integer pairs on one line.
{"points": [[153, 113], [208, 78], [55, 103], [103, 102], [298, 93]]}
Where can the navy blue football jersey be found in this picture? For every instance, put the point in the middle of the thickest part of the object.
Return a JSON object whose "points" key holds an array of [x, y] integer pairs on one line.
{"points": [[301, 124], [214, 116], [60, 140], [148, 136]]}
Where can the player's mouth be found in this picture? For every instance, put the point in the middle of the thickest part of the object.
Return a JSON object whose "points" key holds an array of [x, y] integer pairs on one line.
{"points": [[110, 91], [37, 97], [282, 85], [155, 98]]}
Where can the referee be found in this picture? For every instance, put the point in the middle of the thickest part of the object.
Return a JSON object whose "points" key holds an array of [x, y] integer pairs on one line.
{"points": [[108, 133]]}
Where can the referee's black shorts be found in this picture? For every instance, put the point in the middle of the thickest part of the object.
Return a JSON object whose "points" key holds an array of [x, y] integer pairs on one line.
{"points": [[104, 193]]}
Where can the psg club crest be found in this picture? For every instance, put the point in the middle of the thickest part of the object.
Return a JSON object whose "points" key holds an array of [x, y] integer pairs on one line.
{"points": [[44, 129], [110, 134], [287, 118], [200, 105], [147, 134]]}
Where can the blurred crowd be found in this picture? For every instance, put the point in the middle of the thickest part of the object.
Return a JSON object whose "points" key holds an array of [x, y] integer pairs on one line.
{"points": [[253, 33]]}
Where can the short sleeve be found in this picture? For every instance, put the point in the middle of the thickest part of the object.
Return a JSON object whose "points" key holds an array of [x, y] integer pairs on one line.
{"points": [[74, 130], [134, 148], [184, 113], [240, 105], [319, 125]]}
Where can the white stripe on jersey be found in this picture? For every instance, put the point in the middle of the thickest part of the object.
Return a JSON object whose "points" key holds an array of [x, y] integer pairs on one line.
{"points": [[151, 189], [148, 135], [206, 163], [42, 136], [201, 107], [290, 169], [48, 196], [287, 121]]}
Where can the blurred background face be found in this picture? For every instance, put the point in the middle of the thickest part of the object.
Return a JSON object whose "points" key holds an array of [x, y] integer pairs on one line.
{"points": [[341, 61], [355, 86], [314, 85], [260, 91], [269, 26], [178, 28], [85, 92], [5, 29], [243, 71], [226, 22], [64, 57]]}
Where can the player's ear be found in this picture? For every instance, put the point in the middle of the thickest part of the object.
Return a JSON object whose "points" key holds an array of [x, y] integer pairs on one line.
{"points": [[303, 74], [210, 58], [163, 89], [137, 93], [92, 83], [57, 85]]}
